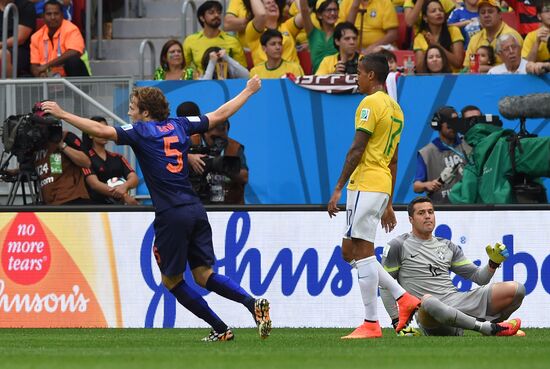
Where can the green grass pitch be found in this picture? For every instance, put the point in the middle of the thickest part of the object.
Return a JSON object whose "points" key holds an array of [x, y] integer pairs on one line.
{"points": [[286, 348]]}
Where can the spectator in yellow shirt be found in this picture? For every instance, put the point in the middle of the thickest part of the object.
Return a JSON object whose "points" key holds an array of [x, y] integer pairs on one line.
{"points": [[236, 18], [268, 15], [275, 66], [434, 31], [347, 58], [376, 21], [194, 46], [492, 27], [535, 46], [413, 10]]}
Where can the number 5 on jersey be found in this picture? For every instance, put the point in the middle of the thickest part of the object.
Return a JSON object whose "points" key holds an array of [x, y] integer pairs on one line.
{"points": [[173, 152]]}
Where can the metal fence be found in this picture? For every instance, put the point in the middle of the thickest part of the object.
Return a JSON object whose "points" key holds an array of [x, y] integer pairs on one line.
{"points": [[86, 97]]}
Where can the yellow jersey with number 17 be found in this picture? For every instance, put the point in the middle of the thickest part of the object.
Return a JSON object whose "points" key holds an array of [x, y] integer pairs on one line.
{"points": [[382, 118]]}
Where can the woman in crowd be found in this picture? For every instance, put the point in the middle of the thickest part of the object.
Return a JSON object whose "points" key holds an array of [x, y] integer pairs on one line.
{"points": [[269, 14], [215, 61], [172, 63], [436, 60], [434, 31], [320, 40]]}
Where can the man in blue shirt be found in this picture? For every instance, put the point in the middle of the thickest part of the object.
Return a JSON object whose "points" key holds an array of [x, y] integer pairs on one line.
{"points": [[182, 230]]}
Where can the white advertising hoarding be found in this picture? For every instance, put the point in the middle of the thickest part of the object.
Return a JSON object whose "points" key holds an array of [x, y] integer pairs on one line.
{"points": [[97, 269]]}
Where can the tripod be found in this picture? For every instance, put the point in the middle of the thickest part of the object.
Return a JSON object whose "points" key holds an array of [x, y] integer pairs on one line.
{"points": [[26, 177]]}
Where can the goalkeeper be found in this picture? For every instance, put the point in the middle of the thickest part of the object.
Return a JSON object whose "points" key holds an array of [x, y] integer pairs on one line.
{"points": [[421, 263]]}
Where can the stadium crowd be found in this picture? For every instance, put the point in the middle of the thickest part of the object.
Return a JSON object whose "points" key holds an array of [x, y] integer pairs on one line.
{"points": [[435, 36]]}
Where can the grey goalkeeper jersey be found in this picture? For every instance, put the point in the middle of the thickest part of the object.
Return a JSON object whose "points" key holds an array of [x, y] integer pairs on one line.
{"points": [[423, 266]]}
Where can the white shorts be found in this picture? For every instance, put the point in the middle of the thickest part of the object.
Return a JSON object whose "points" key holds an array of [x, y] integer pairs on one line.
{"points": [[363, 213]]}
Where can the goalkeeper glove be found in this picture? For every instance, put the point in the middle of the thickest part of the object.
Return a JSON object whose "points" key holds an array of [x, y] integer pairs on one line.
{"points": [[408, 331], [497, 253]]}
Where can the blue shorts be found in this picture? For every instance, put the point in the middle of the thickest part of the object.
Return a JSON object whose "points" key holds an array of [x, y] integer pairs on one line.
{"points": [[183, 234]]}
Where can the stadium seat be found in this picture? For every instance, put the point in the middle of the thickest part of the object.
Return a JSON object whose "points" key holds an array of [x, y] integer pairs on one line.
{"points": [[39, 22], [305, 61], [403, 33], [402, 55], [511, 19]]}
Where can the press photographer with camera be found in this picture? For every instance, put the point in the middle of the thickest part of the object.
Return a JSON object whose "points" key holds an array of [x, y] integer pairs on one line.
{"points": [[219, 172], [440, 163], [345, 61]]}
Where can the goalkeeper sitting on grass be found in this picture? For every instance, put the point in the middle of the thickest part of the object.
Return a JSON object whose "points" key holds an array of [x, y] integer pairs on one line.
{"points": [[421, 263]]}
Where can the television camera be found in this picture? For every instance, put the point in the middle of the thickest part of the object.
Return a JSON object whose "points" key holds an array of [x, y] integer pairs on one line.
{"points": [[22, 136]]}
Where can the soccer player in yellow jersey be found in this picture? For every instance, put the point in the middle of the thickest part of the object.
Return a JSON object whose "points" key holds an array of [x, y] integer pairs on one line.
{"points": [[371, 166]]}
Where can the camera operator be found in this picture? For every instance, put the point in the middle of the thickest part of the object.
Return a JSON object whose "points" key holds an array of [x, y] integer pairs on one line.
{"points": [[59, 168], [215, 185], [470, 111], [440, 163]]}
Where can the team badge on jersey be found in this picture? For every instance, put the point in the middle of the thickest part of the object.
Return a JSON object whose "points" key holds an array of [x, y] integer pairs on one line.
{"points": [[441, 252], [373, 14], [364, 116]]}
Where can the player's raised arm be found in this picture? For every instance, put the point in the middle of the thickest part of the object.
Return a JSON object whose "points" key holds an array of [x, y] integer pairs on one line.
{"points": [[88, 126], [223, 113]]}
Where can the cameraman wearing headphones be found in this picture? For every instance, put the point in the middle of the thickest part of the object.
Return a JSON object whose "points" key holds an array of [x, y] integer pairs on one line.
{"points": [[440, 163], [223, 188]]}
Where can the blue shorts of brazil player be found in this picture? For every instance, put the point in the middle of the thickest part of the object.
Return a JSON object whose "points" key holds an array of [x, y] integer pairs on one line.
{"points": [[183, 234]]}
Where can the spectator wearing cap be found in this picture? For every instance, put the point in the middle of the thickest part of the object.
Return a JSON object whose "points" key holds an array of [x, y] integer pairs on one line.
{"points": [[275, 66], [492, 27], [535, 46], [376, 21], [439, 163], [320, 40], [209, 15]]}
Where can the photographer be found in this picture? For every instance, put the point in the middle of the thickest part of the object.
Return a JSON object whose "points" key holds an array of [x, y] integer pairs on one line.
{"points": [[345, 61], [59, 168], [440, 163], [214, 180]]}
